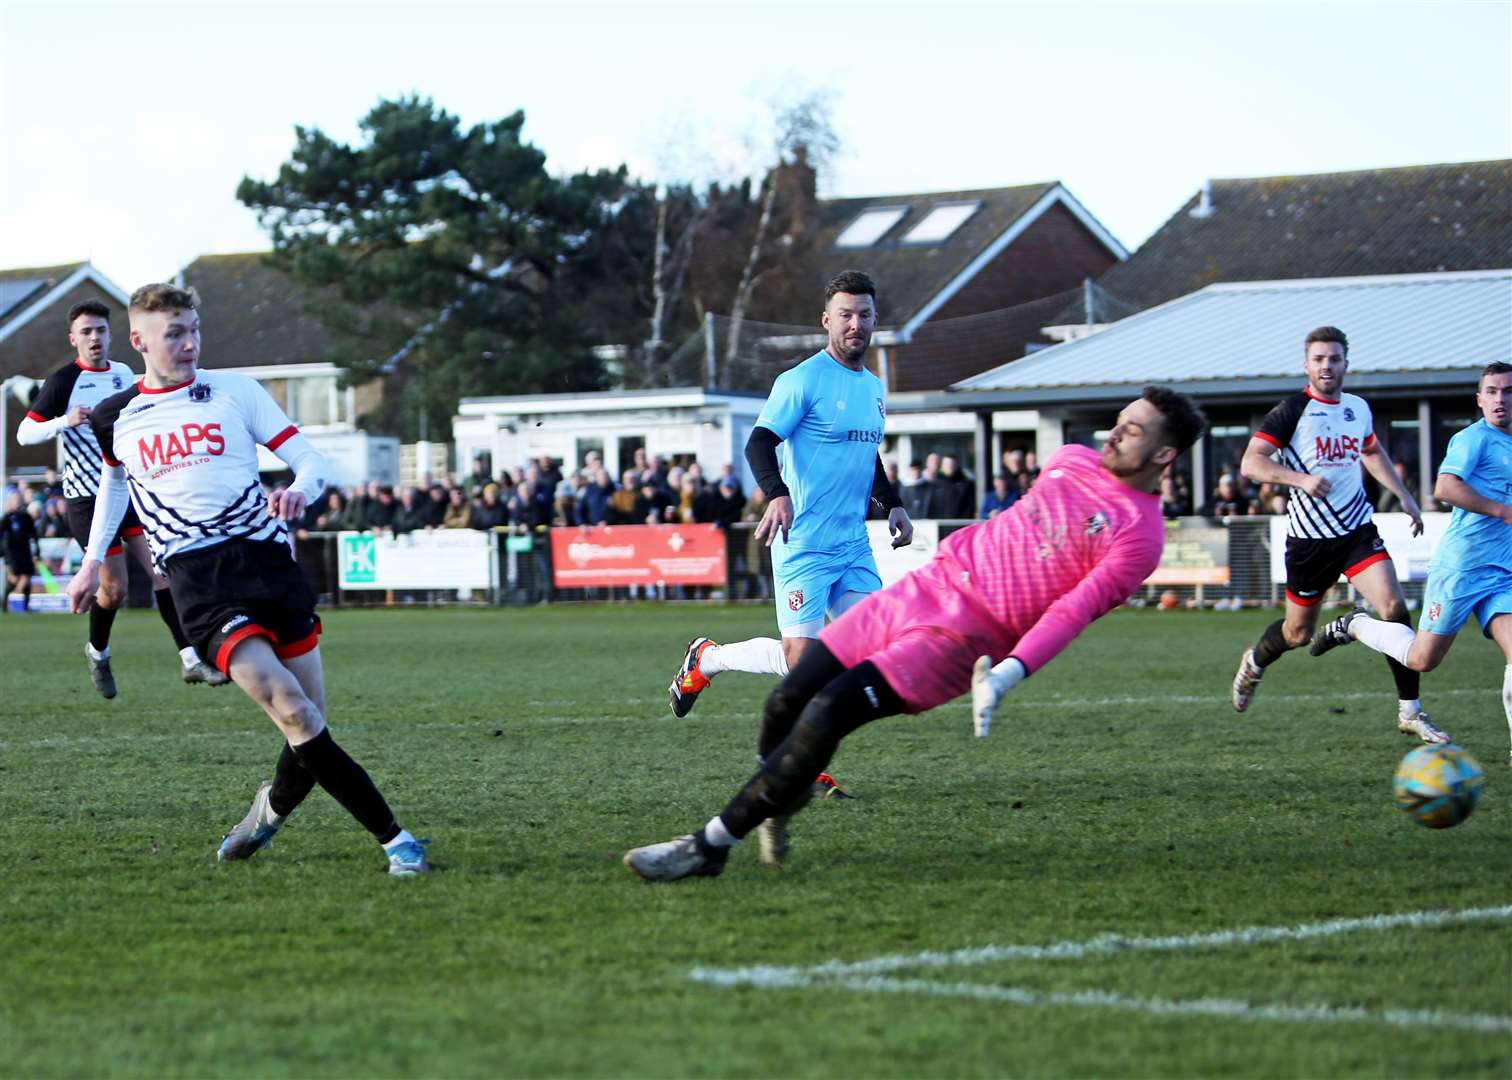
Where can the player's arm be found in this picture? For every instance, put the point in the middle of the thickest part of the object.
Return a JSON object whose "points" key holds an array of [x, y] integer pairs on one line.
{"points": [[1378, 464], [761, 455], [1115, 578], [1450, 490], [309, 468], [882, 494], [1258, 465], [49, 416], [111, 501]]}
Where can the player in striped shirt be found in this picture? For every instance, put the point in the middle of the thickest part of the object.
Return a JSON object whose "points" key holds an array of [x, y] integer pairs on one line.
{"points": [[1323, 439], [1472, 567], [1020, 586], [61, 411], [185, 444]]}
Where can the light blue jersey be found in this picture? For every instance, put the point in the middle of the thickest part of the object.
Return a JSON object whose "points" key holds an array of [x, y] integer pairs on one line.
{"points": [[1472, 568], [1481, 456], [831, 421]]}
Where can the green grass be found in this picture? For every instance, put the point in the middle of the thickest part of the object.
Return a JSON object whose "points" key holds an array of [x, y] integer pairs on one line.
{"points": [[1119, 793]]}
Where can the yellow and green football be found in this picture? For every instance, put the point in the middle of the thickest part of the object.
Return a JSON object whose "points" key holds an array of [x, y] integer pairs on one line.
{"points": [[1437, 786]]}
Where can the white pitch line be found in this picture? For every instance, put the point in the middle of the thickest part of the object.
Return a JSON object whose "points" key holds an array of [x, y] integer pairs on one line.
{"points": [[1226, 1008], [1103, 945]]}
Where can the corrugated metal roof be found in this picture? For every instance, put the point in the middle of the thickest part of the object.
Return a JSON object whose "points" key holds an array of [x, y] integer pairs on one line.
{"points": [[1395, 322]]}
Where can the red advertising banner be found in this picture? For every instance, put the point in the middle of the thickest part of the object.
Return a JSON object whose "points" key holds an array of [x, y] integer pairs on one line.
{"points": [[599, 555]]}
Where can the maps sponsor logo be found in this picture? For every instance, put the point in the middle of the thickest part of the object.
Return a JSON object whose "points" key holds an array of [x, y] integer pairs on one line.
{"points": [[585, 553], [181, 444], [1337, 448]]}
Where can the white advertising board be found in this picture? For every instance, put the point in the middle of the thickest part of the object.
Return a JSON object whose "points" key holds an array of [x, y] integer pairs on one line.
{"points": [[894, 563], [443, 559]]}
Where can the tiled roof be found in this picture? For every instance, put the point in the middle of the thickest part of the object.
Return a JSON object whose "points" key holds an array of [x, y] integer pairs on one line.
{"points": [[255, 315], [1423, 219], [1396, 323], [908, 276]]}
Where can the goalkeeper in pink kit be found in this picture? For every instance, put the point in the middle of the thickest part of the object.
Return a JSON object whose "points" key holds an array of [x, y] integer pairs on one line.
{"points": [[1016, 588]]}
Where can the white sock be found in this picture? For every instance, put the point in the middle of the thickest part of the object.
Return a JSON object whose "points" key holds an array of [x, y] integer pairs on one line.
{"points": [[717, 835], [1507, 696], [1393, 639], [759, 656], [103, 654], [270, 818], [189, 656], [404, 837], [1408, 709]]}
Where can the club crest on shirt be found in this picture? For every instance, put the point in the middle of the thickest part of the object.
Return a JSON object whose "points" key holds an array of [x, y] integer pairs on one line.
{"points": [[1348, 414], [199, 392], [1433, 612], [795, 600], [117, 382], [1097, 523]]}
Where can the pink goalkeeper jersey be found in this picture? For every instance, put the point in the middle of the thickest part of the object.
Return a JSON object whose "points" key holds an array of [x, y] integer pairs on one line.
{"points": [[1076, 546]]}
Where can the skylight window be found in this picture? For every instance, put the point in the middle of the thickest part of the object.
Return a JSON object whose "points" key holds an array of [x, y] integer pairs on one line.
{"points": [[940, 223], [870, 226], [15, 292]]}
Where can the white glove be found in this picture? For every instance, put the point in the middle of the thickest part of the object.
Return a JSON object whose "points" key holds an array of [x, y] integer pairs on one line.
{"points": [[988, 685]]}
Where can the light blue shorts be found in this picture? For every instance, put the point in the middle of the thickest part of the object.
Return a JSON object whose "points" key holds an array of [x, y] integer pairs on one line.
{"points": [[1452, 596], [810, 584]]}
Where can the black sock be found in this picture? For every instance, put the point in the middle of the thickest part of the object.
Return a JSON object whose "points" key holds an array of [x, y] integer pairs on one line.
{"points": [[101, 619], [26, 596], [785, 781], [1272, 644], [349, 784], [1407, 681], [291, 783], [169, 611]]}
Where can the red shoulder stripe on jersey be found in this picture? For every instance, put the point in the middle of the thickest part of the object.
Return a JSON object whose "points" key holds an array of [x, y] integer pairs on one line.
{"points": [[144, 388], [112, 462], [223, 654], [1369, 560], [282, 437], [38, 417], [1370, 441], [1268, 437]]}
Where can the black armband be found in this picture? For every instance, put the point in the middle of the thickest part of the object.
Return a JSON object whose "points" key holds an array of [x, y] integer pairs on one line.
{"points": [[761, 455], [882, 490]]}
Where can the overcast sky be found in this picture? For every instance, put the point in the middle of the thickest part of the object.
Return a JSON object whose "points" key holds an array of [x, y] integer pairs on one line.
{"points": [[124, 129]]}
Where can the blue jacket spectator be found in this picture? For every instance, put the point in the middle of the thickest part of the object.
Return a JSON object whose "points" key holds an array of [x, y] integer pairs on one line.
{"points": [[593, 503], [1001, 497]]}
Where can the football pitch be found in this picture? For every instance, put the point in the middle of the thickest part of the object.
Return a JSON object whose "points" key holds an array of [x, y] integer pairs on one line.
{"points": [[1125, 879]]}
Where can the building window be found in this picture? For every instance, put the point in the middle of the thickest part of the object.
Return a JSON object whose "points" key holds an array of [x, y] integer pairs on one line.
{"points": [[870, 226], [315, 401], [940, 223]]}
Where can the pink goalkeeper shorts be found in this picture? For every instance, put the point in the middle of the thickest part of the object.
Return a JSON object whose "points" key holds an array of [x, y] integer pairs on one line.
{"points": [[923, 633]]}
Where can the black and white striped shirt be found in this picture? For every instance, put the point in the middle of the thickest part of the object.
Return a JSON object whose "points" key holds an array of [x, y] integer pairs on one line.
{"points": [[1323, 438], [190, 457], [65, 389]]}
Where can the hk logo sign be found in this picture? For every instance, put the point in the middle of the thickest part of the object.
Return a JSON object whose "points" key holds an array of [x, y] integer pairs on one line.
{"points": [[359, 560]]}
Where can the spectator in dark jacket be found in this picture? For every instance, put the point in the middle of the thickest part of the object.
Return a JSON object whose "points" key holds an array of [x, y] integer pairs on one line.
{"points": [[950, 495], [915, 492], [410, 513], [381, 510], [593, 503], [1003, 495], [488, 512]]}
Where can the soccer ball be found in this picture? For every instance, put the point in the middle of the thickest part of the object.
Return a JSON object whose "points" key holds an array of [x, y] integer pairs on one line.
{"points": [[1437, 786]]}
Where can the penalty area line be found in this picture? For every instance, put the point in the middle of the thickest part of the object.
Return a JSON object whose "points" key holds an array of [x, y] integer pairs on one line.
{"points": [[871, 976]]}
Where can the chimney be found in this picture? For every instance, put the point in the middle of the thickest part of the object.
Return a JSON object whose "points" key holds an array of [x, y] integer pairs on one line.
{"points": [[1204, 207]]}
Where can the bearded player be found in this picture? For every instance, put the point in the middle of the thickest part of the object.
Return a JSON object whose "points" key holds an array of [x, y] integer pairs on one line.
{"points": [[1020, 586], [1472, 566]]}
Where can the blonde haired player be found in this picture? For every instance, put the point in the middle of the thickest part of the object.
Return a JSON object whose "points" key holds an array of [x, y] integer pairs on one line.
{"points": [[185, 443]]}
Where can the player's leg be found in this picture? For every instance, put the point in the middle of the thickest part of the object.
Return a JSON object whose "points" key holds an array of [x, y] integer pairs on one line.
{"points": [[797, 576], [1377, 583], [1499, 629], [784, 781], [108, 600], [195, 669], [1312, 568], [283, 689]]}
